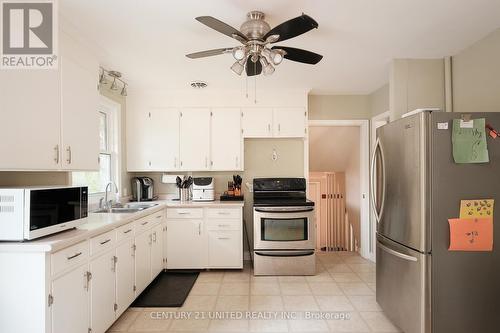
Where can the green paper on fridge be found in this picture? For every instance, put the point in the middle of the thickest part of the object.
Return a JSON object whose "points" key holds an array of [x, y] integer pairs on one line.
{"points": [[469, 141]]}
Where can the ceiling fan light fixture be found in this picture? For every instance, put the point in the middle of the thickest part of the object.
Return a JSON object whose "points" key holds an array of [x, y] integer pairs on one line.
{"points": [[237, 68], [277, 56], [267, 68], [239, 53]]}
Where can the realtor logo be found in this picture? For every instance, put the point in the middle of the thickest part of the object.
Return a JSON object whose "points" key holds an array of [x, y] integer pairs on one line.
{"points": [[29, 35]]}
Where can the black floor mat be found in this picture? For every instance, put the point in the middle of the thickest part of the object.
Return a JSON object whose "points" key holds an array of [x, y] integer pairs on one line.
{"points": [[169, 289]]}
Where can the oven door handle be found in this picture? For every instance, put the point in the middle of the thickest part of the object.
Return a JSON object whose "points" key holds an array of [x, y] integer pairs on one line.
{"points": [[284, 209], [285, 253]]}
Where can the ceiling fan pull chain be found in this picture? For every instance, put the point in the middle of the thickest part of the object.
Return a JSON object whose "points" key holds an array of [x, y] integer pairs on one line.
{"points": [[255, 89]]}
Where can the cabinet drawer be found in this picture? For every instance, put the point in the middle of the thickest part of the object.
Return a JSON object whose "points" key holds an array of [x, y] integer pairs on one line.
{"points": [[224, 213], [69, 257], [124, 232], [224, 224], [143, 224], [185, 213], [102, 242]]}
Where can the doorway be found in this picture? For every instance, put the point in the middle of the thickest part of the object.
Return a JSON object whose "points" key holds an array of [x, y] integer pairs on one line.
{"points": [[338, 163]]}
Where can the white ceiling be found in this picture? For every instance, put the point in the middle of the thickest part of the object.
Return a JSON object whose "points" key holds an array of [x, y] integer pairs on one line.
{"points": [[147, 40]]}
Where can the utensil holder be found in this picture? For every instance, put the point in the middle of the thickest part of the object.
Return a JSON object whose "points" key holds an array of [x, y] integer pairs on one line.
{"points": [[184, 194]]}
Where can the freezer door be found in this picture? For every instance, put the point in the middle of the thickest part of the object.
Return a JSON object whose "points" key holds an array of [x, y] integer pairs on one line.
{"points": [[466, 285], [402, 286], [400, 182]]}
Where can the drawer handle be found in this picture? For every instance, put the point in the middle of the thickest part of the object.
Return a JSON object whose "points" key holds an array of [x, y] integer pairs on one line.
{"points": [[74, 256], [144, 223], [224, 213], [106, 241], [127, 231], [184, 213], [223, 225], [159, 216], [223, 238]]}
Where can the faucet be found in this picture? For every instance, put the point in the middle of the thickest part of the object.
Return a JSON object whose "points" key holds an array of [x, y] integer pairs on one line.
{"points": [[108, 204]]}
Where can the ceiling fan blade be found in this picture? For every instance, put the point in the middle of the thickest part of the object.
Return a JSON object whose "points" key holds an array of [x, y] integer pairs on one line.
{"points": [[299, 55], [208, 53], [222, 27], [253, 68], [293, 28]]}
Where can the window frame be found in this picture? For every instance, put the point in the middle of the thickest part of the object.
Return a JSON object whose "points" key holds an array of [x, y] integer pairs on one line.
{"points": [[112, 110]]}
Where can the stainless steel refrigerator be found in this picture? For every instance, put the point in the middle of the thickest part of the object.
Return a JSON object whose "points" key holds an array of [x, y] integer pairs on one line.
{"points": [[416, 187]]}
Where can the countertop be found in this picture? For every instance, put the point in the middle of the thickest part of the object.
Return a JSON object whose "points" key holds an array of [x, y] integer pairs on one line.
{"points": [[99, 223]]}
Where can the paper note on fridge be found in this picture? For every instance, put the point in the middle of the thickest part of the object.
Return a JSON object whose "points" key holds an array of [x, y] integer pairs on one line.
{"points": [[469, 142], [474, 234], [476, 208]]}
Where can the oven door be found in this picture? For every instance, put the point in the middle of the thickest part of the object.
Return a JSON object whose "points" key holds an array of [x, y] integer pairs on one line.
{"points": [[284, 228]]}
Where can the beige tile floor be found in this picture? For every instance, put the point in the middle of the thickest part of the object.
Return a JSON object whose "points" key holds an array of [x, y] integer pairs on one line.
{"points": [[344, 285]]}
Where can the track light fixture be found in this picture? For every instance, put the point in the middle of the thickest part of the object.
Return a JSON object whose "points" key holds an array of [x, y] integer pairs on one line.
{"points": [[115, 78]]}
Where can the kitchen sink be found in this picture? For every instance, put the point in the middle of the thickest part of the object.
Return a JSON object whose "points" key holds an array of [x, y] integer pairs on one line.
{"points": [[127, 208]]}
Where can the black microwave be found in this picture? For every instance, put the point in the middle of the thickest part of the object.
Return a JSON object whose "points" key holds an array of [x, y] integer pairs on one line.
{"points": [[33, 212]]}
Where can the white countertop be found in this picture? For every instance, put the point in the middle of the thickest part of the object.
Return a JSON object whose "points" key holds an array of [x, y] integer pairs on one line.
{"points": [[98, 223]]}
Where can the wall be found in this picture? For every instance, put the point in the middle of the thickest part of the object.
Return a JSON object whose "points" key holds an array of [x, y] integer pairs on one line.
{"points": [[339, 107], [338, 149], [476, 76], [379, 100], [414, 84]]}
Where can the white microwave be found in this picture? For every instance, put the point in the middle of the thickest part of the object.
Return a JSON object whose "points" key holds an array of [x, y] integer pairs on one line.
{"points": [[32, 212]]}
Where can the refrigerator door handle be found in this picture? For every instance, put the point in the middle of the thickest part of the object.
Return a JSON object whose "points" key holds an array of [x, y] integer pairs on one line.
{"points": [[378, 214], [396, 253]]}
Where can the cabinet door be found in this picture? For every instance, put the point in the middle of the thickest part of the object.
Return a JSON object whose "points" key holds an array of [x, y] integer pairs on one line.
{"points": [[142, 261], [139, 147], [164, 139], [80, 117], [290, 122], [156, 251], [124, 275], [226, 140], [257, 122], [30, 119], [186, 244], [102, 292], [164, 241], [225, 249], [195, 139], [70, 310]]}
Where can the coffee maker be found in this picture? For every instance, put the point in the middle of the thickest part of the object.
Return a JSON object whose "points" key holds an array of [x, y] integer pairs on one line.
{"points": [[142, 189]]}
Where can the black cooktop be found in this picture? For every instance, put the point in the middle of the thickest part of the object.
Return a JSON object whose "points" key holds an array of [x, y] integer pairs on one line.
{"points": [[280, 192]]}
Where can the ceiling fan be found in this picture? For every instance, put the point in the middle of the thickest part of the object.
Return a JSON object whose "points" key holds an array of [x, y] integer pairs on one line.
{"points": [[255, 55]]}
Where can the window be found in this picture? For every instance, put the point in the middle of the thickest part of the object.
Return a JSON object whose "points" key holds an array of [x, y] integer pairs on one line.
{"points": [[109, 169]]}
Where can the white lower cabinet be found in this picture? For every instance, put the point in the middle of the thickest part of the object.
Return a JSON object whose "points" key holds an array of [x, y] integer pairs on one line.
{"points": [[125, 275], [213, 239], [156, 250], [102, 291], [142, 261], [70, 301], [225, 248], [186, 244]]}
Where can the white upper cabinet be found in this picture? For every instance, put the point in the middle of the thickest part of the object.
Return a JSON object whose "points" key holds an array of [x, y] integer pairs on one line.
{"points": [[257, 122], [195, 139], [289, 122], [153, 140], [30, 120], [80, 118], [165, 132], [226, 139], [49, 118]]}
